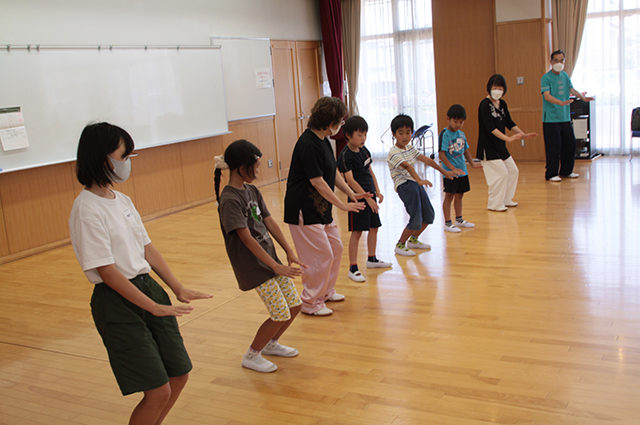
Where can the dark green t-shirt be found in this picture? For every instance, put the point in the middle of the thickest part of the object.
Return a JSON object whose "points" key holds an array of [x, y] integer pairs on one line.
{"points": [[241, 209]]}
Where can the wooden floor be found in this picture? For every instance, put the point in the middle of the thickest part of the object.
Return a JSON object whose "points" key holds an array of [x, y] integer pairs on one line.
{"points": [[533, 317]]}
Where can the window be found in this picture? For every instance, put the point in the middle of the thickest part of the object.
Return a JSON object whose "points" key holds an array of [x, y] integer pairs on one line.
{"points": [[397, 72], [608, 67]]}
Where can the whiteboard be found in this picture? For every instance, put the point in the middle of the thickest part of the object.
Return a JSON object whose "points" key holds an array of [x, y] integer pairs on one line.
{"points": [[248, 77], [160, 95]]}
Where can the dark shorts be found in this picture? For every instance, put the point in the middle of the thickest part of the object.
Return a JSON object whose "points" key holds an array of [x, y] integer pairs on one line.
{"points": [[144, 350], [364, 220], [417, 204], [456, 185]]}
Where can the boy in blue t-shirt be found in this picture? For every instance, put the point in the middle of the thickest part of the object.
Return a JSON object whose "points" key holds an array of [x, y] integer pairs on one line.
{"points": [[355, 163], [454, 149]]}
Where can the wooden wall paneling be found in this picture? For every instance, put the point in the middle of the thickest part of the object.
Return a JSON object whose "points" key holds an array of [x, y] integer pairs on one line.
{"points": [[533, 150], [463, 38], [512, 39], [198, 166], [158, 180], [267, 140], [287, 102], [4, 242], [309, 78], [36, 204]]}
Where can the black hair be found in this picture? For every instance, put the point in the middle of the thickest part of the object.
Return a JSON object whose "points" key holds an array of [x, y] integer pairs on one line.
{"points": [[558, 52], [326, 112], [97, 141], [354, 123], [240, 155], [457, 112], [401, 121], [498, 81]]}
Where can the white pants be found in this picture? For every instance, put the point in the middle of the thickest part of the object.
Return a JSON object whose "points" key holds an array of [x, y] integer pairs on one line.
{"points": [[502, 179]]}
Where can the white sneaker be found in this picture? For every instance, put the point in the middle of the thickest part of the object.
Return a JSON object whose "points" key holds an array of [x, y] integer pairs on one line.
{"points": [[258, 363], [322, 312], [465, 223], [573, 176], [416, 244], [336, 298], [378, 264], [357, 276], [500, 209], [401, 249], [274, 348], [555, 179], [451, 228], [511, 204]]}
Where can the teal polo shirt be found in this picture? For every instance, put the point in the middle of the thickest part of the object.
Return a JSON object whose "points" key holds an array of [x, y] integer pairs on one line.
{"points": [[559, 86]]}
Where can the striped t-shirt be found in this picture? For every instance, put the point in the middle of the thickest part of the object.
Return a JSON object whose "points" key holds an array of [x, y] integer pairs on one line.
{"points": [[396, 157]]}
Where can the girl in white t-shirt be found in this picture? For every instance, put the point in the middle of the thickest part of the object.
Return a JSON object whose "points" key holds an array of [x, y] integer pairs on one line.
{"points": [[132, 313]]}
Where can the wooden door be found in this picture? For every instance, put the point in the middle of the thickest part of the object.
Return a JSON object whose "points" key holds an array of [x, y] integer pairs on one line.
{"points": [[283, 58], [309, 86]]}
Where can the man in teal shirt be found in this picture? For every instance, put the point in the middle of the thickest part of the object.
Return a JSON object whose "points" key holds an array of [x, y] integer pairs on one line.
{"points": [[559, 140]]}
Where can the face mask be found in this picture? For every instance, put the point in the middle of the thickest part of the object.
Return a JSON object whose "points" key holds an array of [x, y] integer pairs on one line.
{"points": [[334, 131], [121, 169], [558, 67], [496, 94]]}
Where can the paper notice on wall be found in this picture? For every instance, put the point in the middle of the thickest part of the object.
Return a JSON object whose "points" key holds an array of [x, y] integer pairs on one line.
{"points": [[263, 78], [13, 133], [581, 128]]}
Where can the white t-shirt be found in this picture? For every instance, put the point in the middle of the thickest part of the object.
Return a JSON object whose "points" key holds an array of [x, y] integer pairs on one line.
{"points": [[108, 231], [396, 157]]}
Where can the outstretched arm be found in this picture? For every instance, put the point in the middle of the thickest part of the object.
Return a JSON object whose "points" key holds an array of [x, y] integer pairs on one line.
{"points": [[431, 163], [412, 171], [325, 191], [581, 96], [245, 236], [277, 234]]}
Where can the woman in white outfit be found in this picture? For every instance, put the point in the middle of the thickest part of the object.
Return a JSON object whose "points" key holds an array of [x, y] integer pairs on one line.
{"points": [[499, 168]]}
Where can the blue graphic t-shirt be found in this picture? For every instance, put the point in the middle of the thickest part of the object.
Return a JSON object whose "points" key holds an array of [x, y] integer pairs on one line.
{"points": [[454, 144]]}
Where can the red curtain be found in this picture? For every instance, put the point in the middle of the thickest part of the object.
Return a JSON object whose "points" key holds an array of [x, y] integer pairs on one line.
{"points": [[331, 22]]}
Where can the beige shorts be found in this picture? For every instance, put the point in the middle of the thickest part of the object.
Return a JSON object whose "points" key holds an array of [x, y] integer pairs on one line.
{"points": [[279, 294]]}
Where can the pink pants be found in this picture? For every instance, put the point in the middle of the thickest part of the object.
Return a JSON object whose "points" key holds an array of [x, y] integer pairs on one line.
{"points": [[319, 247]]}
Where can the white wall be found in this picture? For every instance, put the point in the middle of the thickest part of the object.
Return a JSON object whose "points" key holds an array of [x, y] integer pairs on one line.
{"points": [[518, 10], [155, 21]]}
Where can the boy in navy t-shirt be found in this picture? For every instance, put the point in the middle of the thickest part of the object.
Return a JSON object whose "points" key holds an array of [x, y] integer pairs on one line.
{"points": [[453, 151], [354, 162]]}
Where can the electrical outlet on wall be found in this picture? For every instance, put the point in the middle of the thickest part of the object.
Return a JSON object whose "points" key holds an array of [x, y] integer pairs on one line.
{"points": [[270, 163], [520, 80]]}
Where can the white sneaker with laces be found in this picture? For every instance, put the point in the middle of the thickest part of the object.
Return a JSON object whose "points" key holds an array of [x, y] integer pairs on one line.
{"points": [[555, 179], [451, 228], [414, 243], [274, 348], [356, 276], [336, 297], [573, 176], [401, 249], [255, 361], [378, 264], [465, 223]]}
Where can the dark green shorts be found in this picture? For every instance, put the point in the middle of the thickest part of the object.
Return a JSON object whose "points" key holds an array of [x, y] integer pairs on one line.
{"points": [[144, 350]]}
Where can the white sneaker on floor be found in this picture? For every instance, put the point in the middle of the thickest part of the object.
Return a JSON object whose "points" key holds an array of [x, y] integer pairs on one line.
{"points": [[322, 312], [416, 244], [465, 223], [573, 176], [258, 363], [401, 249], [500, 209], [378, 264], [555, 179], [276, 349], [451, 228], [511, 204], [356, 276], [336, 298]]}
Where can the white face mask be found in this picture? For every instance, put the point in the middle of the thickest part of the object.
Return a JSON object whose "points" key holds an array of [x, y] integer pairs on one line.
{"points": [[334, 131], [496, 94], [121, 169], [558, 67]]}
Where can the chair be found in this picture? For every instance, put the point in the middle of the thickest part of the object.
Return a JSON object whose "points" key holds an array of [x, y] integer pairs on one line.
{"points": [[419, 139], [635, 134]]}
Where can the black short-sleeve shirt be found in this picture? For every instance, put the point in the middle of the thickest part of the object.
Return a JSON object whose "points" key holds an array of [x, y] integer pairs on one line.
{"points": [[358, 163], [490, 118], [312, 157]]}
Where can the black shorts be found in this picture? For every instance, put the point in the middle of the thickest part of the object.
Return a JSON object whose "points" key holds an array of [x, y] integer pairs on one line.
{"points": [[144, 350], [364, 220], [456, 185]]}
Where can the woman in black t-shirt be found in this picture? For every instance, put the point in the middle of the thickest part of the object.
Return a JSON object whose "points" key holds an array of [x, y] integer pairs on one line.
{"points": [[499, 168], [308, 202]]}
